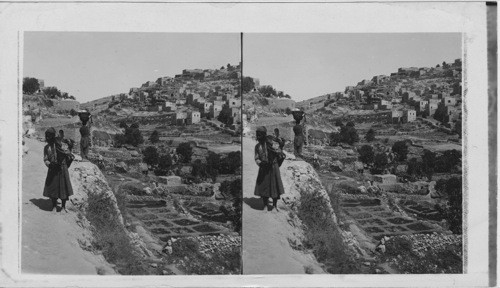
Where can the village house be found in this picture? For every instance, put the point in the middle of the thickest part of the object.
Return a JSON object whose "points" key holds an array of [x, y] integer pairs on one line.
{"points": [[180, 118], [164, 81], [236, 114], [215, 110], [385, 105], [206, 107], [431, 108], [452, 113], [169, 106], [396, 116], [409, 115], [420, 106], [191, 98], [233, 102], [193, 117], [449, 101], [219, 102]]}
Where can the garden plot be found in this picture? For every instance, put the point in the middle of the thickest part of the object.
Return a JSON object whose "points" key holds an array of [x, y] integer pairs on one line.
{"points": [[377, 220], [159, 217], [421, 210]]}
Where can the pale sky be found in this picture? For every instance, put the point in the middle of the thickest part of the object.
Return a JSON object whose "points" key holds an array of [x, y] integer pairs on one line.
{"points": [[310, 65], [91, 65]]}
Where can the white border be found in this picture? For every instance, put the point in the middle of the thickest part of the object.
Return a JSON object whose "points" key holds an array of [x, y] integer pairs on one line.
{"points": [[469, 18]]}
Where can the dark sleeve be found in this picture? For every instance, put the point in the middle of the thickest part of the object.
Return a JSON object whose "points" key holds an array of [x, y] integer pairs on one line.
{"points": [[257, 155]]}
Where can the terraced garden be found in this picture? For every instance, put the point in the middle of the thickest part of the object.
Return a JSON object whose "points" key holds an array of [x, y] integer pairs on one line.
{"points": [[161, 218], [377, 220]]}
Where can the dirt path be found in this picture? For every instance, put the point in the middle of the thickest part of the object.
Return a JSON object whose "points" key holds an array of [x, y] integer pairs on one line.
{"points": [[49, 239], [265, 233]]}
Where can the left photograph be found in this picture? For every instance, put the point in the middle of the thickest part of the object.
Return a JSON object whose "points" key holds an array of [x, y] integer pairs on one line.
{"points": [[131, 153]]}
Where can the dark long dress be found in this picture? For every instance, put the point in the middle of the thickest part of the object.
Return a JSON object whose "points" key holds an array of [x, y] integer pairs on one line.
{"points": [[84, 141], [269, 182], [299, 139], [57, 183]]}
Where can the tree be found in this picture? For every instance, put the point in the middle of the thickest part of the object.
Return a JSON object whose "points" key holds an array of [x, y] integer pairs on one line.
{"points": [[72, 97], [366, 154], [414, 167], [228, 66], [339, 123], [65, 95], [437, 66], [287, 96], [428, 163], [267, 91], [133, 135], [186, 151], [440, 113], [221, 67], [150, 156], [370, 135], [350, 124], [30, 85], [234, 75], [401, 150], [225, 116], [288, 111], [52, 92], [199, 169], [379, 163], [349, 134], [452, 211], [73, 112], [213, 164], [448, 161], [134, 125], [165, 162], [155, 137], [248, 84], [231, 163]]}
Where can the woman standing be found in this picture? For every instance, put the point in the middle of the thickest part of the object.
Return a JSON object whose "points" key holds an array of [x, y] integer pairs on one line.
{"points": [[57, 183], [85, 134], [269, 184]]}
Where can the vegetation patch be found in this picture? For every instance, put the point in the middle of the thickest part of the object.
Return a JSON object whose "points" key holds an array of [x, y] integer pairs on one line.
{"points": [[110, 236], [188, 256], [323, 236], [425, 253]]}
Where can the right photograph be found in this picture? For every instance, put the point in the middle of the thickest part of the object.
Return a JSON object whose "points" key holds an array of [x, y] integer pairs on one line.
{"points": [[352, 153]]}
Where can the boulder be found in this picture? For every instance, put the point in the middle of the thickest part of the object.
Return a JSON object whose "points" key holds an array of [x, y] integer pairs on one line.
{"points": [[336, 166], [121, 167], [134, 153]]}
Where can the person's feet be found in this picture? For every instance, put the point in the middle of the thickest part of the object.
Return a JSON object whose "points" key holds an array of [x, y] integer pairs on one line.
{"points": [[64, 209]]}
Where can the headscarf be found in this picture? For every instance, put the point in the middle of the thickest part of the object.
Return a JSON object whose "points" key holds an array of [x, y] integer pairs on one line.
{"points": [[261, 133], [50, 135]]}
